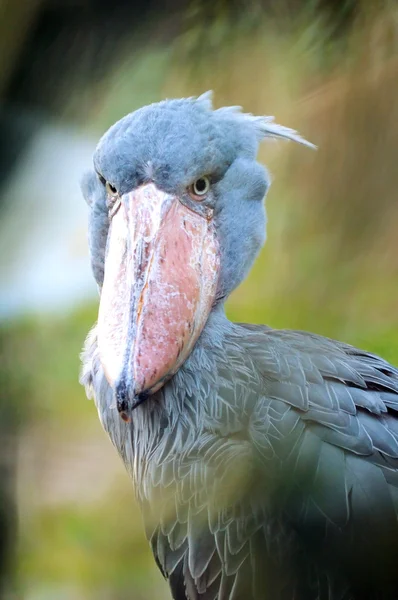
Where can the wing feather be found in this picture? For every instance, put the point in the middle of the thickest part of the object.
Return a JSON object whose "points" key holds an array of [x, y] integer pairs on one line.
{"points": [[288, 481]]}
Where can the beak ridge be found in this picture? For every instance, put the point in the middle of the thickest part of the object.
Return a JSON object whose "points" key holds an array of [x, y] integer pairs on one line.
{"points": [[161, 273]]}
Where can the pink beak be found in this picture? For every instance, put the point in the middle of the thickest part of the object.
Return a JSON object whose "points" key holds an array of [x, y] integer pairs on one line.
{"points": [[161, 272]]}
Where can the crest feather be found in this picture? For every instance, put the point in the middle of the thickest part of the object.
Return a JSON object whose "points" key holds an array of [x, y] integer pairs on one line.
{"points": [[265, 126], [206, 100]]}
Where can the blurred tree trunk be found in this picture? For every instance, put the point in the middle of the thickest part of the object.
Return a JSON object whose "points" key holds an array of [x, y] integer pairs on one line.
{"points": [[16, 20]]}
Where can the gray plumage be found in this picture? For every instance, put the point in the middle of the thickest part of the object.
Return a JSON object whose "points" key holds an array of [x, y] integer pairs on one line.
{"points": [[267, 467]]}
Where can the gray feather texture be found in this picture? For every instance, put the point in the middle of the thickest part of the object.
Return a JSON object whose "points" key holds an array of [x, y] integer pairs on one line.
{"points": [[267, 467]]}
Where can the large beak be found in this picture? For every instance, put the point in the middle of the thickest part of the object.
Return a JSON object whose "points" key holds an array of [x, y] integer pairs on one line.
{"points": [[161, 272]]}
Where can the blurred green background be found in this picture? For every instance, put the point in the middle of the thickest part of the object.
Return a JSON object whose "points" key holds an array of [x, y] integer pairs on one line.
{"points": [[68, 71]]}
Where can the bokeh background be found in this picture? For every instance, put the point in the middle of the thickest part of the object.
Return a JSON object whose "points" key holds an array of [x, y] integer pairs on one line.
{"points": [[69, 525]]}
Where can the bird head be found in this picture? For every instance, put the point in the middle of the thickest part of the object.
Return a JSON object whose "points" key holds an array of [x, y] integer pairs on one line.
{"points": [[177, 219]]}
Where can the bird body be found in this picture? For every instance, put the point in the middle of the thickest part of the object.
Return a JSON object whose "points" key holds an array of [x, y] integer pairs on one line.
{"points": [[265, 461]]}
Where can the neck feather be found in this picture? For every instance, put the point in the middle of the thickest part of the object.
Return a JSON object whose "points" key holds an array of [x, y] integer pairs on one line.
{"points": [[179, 408]]}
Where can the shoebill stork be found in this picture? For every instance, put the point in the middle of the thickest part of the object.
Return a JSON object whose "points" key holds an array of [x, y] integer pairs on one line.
{"points": [[265, 461]]}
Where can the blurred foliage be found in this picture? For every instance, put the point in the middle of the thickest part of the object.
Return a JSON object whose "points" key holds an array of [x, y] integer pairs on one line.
{"points": [[80, 530], [330, 264]]}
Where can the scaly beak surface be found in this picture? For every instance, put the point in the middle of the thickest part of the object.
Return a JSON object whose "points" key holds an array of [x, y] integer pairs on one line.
{"points": [[161, 272]]}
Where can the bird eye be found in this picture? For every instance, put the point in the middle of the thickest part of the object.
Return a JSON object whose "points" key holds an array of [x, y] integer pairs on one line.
{"points": [[112, 198], [200, 188], [110, 189]]}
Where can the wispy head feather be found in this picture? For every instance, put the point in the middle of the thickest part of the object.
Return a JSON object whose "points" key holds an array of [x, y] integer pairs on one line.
{"points": [[264, 126], [206, 100]]}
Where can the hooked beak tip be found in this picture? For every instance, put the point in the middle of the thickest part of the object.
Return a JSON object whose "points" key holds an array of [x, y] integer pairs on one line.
{"points": [[125, 403]]}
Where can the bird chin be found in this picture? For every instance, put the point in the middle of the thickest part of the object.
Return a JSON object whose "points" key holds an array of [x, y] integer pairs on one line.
{"points": [[161, 273]]}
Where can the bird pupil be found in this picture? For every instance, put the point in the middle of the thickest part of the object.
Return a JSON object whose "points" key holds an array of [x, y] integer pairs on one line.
{"points": [[200, 185]]}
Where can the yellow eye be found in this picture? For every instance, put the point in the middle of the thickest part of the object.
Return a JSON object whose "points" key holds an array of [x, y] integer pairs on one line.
{"points": [[113, 199], [110, 189], [200, 188]]}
